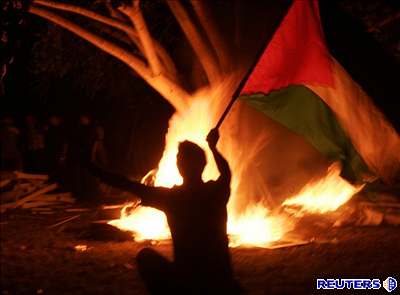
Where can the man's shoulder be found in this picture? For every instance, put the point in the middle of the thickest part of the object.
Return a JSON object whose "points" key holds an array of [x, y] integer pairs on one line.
{"points": [[214, 184], [211, 182]]}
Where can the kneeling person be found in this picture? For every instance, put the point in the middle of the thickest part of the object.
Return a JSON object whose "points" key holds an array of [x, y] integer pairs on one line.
{"points": [[197, 216]]}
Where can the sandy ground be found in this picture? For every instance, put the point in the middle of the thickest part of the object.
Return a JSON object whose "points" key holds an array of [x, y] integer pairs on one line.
{"points": [[36, 259]]}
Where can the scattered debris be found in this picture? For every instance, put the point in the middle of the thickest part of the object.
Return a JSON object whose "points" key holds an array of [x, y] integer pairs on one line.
{"points": [[31, 192], [39, 192]]}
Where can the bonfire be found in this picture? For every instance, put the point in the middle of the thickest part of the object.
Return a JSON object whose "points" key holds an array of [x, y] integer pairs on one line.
{"points": [[255, 215]]}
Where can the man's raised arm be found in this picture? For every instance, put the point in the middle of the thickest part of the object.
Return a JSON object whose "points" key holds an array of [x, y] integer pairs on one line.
{"points": [[222, 164]]}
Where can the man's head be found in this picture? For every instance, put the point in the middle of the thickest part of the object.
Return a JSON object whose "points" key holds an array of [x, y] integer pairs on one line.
{"points": [[191, 161]]}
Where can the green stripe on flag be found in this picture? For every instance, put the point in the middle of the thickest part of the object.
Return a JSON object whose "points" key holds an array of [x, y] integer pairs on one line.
{"points": [[303, 112]]}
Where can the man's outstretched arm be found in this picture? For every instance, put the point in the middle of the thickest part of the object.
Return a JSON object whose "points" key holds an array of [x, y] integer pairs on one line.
{"points": [[222, 164], [150, 196]]}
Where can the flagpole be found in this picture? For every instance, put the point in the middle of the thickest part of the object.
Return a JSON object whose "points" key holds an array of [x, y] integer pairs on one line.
{"points": [[239, 88]]}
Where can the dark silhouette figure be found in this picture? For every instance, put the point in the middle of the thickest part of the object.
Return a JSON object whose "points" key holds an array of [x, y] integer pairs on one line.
{"points": [[34, 145], [80, 148], [10, 145], [197, 216], [56, 148]]}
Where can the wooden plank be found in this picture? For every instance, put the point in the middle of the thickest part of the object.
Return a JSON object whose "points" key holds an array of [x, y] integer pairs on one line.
{"points": [[29, 205], [4, 182], [64, 221], [62, 197], [103, 221], [77, 210], [22, 175], [111, 207], [46, 212], [40, 209], [37, 193], [19, 190]]}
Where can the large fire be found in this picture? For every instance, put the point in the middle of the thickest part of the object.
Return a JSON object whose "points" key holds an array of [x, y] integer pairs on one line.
{"points": [[252, 224]]}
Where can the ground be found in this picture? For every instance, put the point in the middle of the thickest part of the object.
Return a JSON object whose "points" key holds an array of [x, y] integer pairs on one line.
{"points": [[36, 259]]}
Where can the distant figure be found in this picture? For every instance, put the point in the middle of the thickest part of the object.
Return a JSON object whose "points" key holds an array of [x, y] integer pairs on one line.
{"points": [[55, 147], [33, 145], [81, 149], [10, 153], [98, 154], [197, 217]]}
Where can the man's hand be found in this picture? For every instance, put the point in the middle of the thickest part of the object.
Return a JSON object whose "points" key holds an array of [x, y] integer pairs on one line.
{"points": [[212, 138]]}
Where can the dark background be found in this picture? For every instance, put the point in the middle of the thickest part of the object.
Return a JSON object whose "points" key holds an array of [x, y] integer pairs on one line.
{"points": [[55, 72]]}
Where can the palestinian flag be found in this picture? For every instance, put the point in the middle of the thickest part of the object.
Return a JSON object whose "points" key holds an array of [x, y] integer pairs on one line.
{"points": [[299, 83]]}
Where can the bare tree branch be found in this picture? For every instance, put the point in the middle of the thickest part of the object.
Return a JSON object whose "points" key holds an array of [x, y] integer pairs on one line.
{"points": [[114, 12], [94, 16], [213, 34], [385, 22], [167, 88], [135, 15], [203, 53], [130, 31], [87, 13]]}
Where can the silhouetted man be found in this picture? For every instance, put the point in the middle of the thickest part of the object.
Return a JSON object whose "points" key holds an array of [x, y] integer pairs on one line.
{"points": [[56, 148], [34, 145], [10, 152], [80, 148], [197, 216]]}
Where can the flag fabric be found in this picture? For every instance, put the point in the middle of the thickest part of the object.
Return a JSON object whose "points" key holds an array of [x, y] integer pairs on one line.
{"points": [[298, 83]]}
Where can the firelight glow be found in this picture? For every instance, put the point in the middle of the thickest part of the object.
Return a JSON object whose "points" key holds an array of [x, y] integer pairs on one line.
{"points": [[250, 225]]}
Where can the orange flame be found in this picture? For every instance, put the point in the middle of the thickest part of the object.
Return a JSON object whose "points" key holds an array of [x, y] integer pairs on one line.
{"points": [[255, 227], [253, 224], [324, 195], [146, 223]]}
